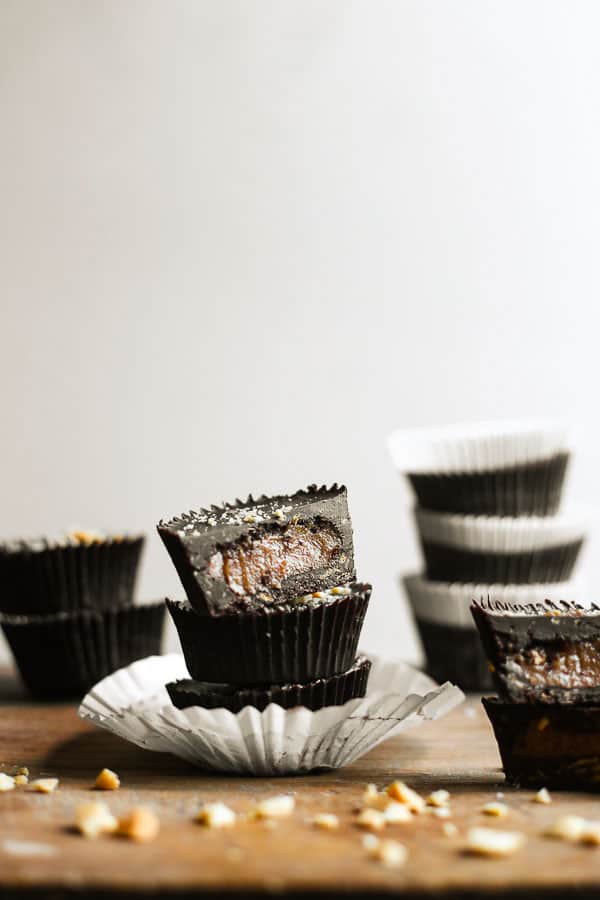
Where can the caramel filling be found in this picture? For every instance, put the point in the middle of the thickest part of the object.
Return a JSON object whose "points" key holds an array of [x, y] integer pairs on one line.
{"points": [[563, 664], [261, 564], [554, 743]]}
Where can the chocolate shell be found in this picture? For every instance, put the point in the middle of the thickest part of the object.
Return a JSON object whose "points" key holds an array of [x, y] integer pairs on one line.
{"points": [[527, 489], [249, 554], [65, 654], [546, 653], [42, 576], [547, 746], [277, 645], [333, 691]]}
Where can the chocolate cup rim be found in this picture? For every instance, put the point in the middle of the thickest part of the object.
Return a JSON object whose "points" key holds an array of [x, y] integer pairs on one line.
{"points": [[30, 546], [25, 619]]}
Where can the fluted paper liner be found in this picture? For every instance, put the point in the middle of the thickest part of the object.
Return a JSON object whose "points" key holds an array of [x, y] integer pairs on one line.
{"points": [[41, 577], [63, 654], [134, 704]]}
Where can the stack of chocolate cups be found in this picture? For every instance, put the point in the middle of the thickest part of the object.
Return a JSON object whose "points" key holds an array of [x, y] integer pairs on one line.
{"points": [[67, 610], [489, 525], [273, 611]]}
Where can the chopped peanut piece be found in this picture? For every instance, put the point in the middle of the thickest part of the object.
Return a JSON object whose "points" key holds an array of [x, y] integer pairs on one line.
{"points": [[45, 785], [438, 798], [216, 815], [489, 842], [397, 813], [374, 798], [542, 796], [369, 841], [440, 812], [399, 791], [390, 853], [591, 834], [326, 821], [449, 829], [275, 807], [95, 818], [371, 819], [21, 779], [140, 824], [7, 782], [22, 770], [499, 810], [107, 780], [567, 828]]}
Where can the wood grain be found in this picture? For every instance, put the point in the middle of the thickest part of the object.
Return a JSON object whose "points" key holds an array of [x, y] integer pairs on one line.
{"points": [[458, 753]]}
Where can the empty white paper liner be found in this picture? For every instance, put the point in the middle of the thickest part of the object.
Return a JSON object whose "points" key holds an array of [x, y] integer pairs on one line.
{"points": [[133, 703], [450, 604], [500, 534], [476, 448]]}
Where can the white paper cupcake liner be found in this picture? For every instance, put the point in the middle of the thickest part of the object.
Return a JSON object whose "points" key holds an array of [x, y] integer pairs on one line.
{"points": [[133, 703], [450, 604], [476, 448], [500, 534]]}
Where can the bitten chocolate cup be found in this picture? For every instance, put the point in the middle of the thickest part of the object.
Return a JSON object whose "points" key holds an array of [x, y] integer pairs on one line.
{"points": [[252, 554], [547, 746], [545, 653], [333, 691], [41, 576], [277, 645], [65, 654]]}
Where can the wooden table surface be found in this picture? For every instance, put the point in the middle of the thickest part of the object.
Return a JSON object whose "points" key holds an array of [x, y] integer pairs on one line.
{"points": [[40, 853]]}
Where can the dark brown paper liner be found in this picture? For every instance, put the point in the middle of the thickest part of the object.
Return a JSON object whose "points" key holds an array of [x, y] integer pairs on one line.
{"points": [[547, 746], [531, 489], [100, 575], [454, 654], [273, 646], [333, 691], [65, 654], [544, 566], [545, 629]]}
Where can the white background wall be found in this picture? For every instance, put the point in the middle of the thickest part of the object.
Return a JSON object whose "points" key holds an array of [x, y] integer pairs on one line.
{"points": [[241, 241]]}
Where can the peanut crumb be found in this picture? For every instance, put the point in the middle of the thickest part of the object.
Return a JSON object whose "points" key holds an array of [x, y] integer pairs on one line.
{"points": [[7, 782], [275, 807], [216, 815], [390, 853], [371, 819], [21, 779], [591, 834], [369, 841], [492, 843], [375, 798], [45, 785], [440, 812], [542, 796], [399, 791], [95, 818], [279, 514], [140, 824], [22, 770], [326, 821], [497, 809], [250, 518], [449, 829], [107, 780], [438, 798], [566, 828], [397, 813]]}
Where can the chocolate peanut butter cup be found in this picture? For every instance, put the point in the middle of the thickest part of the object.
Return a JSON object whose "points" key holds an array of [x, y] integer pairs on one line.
{"points": [[65, 654], [80, 571], [497, 468], [315, 637], [547, 746], [495, 549], [333, 691], [544, 653], [251, 555]]}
